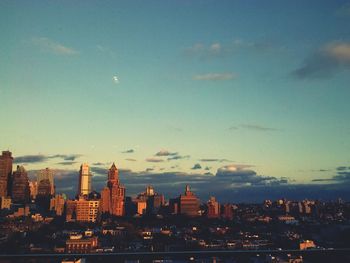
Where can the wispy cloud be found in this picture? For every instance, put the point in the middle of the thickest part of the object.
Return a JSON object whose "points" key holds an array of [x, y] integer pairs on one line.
{"points": [[178, 157], [130, 159], [253, 127], [165, 153], [49, 45], [31, 158], [342, 175], [129, 151], [99, 164], [325, 62], [214, 160], [225, 49], [36, 158], [66, 157], [154, 160], [214, 76], [67, 163]]}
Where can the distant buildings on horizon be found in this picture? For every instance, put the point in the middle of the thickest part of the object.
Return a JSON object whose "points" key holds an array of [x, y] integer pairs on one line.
{"points": [[16, 189], [20, 197]]}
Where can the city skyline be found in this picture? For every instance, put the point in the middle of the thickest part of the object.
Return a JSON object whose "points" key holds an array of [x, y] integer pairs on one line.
{"points": [[206, 187], [216, 95]]}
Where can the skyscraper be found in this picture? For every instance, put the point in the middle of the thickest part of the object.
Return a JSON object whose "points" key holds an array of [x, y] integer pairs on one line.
{"points": [[47, 174], [153, 200], [44, 188], [84, 187], [213, 208], [5, 172], [20, 186], [33, 187], [113, 195], [189, 203]]}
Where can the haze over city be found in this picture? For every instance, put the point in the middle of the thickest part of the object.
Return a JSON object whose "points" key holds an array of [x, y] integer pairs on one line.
{"points": [[243, 101]]}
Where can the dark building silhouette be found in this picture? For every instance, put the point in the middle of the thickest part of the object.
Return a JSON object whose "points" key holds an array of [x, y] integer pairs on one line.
{"points": [[20, 186], [43, 196], [150, 201], [228, 212], [48, 174], [113, 195], [44, 188], [6, 160], [213, 208]]}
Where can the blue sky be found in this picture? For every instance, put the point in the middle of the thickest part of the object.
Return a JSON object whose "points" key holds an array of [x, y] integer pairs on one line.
{"points": [[258, 86]]}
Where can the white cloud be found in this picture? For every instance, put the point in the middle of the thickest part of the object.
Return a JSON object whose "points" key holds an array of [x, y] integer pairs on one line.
{"points": [[49, 45], [234, 167], [214, 76], [215, 47]]}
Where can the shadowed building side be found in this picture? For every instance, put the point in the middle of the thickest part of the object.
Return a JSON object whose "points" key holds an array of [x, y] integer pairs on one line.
{"points": [[20, 186], [6, 161]]}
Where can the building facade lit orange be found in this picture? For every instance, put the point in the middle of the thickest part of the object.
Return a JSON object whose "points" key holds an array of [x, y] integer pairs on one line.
{"points": [[113, 195]]}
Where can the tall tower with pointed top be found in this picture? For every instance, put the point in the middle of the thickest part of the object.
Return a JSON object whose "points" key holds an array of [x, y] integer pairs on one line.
{"points": [[113, 175], [113, 195]]}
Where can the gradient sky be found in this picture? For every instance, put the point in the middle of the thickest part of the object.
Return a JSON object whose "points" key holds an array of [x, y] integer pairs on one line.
{"points": [[259, 85]]}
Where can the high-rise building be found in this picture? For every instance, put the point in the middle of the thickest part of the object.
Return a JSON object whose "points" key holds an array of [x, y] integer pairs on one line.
{"points": [[20, 186], [71, 207], [85, 176], [113, 195], [149, 190], [44, 188], [228, 212], [47, 174], [154, 201], [87, 210], [189, 203], [213, 208], [33, 187], [6, 160], [141, 206], [57, 204]]}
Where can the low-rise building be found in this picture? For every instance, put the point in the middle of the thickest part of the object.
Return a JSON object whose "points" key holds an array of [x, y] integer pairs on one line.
{"points": [[79, 244], [306, 244]]}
